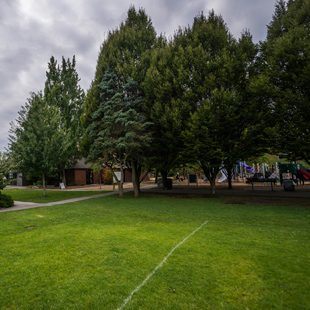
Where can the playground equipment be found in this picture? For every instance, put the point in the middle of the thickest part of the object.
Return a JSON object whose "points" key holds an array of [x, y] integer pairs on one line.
{"points": [[288, 172], [305, 174], [224, 176], [248, 168], [263, 173], [293, 172], [260, 177]]}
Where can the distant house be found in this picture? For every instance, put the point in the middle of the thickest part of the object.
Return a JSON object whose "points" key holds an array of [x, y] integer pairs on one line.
{"points": [[80, 174]]}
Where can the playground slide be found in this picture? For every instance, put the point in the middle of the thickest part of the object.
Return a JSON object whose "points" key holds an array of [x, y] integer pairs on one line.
{"points": [[274, 175], [224, 176], [246, 166], [305, 174]]}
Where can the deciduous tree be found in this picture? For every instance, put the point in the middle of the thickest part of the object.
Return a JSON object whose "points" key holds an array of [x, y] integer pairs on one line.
{"points": [[286, 59], [62, 91], [226, 122], [35, 138], [7, 166]]}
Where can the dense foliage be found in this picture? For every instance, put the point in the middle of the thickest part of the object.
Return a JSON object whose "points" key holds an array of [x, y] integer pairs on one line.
{"points": [[46, 134], [286, 59], [211, 100], [119, 107], [118, 132], [201, 98], [7, 166], [6, 201]]}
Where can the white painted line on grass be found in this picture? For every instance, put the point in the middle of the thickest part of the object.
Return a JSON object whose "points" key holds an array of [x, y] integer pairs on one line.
{"points": [[160, 265]]}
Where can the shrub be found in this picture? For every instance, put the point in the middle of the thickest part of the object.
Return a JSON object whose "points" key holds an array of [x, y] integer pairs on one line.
{"points": [[6, 201], [107, 177]]}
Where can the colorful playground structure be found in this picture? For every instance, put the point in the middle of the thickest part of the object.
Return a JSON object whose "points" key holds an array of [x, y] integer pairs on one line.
{"points": [[286, 174], [263, 173]]}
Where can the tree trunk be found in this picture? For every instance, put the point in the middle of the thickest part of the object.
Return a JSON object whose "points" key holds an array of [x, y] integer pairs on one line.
{"points": [[43, 181], [211, 174], [64, 177], [138, 176], [135, 181], [120, 183], [156, 176], [164, 175], [229, 177], [212, 182]]}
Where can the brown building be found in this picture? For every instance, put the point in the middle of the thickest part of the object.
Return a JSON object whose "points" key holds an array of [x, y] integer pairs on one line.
{"points": [[80, 174]]}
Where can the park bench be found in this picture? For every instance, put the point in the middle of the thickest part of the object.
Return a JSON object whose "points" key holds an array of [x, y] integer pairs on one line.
{"points": [[256, 180]]}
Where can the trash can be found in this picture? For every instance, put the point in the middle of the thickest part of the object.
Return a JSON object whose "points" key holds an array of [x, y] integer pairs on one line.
{"points": [[169, 184], [289, 185]]}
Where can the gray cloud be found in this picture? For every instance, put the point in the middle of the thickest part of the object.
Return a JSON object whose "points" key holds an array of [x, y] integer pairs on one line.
{"points": [[32, 31]]}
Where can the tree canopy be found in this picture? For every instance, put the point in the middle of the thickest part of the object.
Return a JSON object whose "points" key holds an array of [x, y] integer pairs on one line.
{"points": [[7, 166], [286, 59], [201, 97], [46, 134], [62, 91], [118, 132]]}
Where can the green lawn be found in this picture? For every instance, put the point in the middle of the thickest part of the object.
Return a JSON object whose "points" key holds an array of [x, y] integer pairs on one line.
{"points": [[36, 195], [93, 254]]}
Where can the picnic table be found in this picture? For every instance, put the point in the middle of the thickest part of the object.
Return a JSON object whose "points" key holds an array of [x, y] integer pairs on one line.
{"points": [[261, 180]]}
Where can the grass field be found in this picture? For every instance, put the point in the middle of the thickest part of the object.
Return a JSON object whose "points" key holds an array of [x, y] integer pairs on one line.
{"points": [[93, 254], [36, 195]]}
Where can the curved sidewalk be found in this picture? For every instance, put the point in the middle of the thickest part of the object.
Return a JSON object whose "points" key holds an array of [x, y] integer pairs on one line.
{"points": [[20, 205]]}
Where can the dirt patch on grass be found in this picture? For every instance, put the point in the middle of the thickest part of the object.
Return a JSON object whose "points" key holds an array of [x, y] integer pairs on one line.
{"points": [[275, 201], [241, 193]]}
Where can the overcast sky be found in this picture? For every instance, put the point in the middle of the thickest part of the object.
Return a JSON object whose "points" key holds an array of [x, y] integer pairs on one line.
{"points": [[31, 31]]}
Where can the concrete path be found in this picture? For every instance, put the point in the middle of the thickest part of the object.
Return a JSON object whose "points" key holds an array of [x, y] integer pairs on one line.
{"points": [[20, 205]]}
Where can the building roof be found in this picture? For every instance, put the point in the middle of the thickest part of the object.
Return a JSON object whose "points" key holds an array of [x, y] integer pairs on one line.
{"points": [[81, 164]]}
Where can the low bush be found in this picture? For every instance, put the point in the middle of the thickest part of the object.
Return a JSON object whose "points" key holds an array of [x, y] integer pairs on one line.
{"points": [[107, 177], [6, 201]]}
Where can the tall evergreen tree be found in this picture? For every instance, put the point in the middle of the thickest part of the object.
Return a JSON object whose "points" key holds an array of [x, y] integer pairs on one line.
{"points": [[118, 132], [122, 52]]}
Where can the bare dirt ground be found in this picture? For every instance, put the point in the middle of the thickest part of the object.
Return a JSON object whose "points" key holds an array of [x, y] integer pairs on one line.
{"points": [[241, 193]]}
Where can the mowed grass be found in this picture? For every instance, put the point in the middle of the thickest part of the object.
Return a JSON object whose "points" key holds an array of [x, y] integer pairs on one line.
{"points": [[93, 254], [36, 195]]}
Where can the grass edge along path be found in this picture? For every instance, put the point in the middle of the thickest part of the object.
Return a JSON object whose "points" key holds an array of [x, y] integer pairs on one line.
{"points": [[20, 205], [36, 196], [158, 266]]}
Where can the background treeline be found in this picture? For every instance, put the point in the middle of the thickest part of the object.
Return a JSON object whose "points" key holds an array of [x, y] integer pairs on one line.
{"points": [[201, 97]]}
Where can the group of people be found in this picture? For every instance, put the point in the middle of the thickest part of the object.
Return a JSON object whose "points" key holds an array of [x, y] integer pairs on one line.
{"points": [[179, 177]]}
